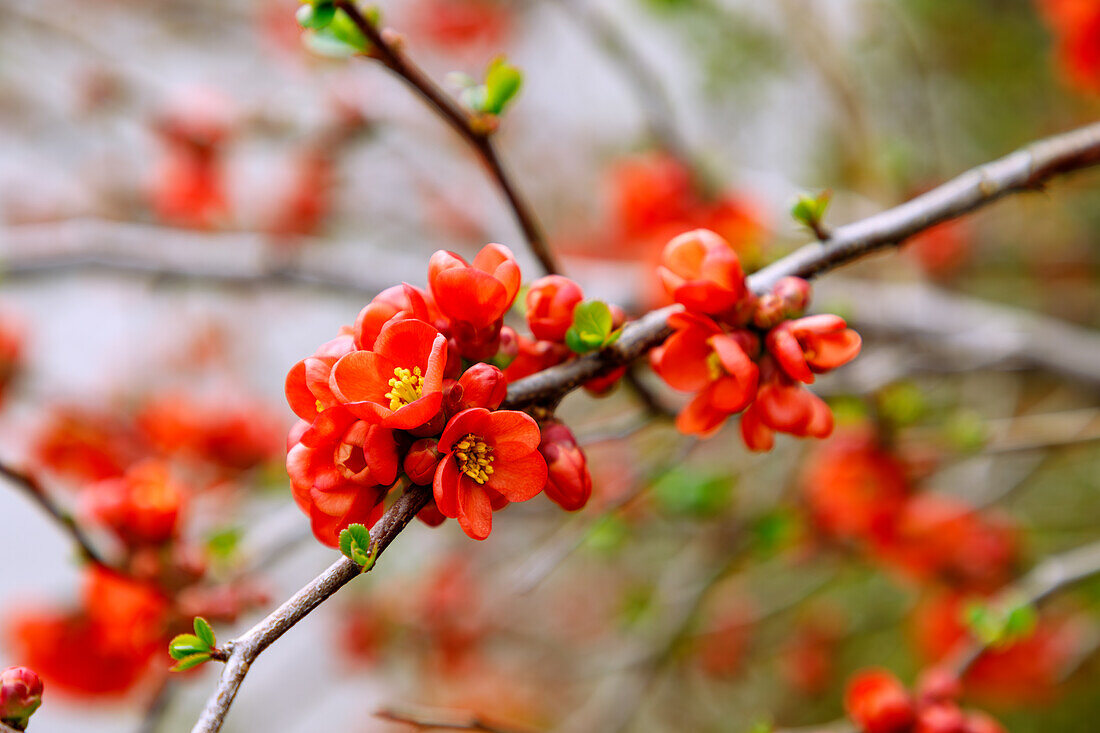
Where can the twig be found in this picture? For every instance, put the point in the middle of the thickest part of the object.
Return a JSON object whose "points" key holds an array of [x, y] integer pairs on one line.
{"points": [[34, 489], [479, 137], [1053, 574], [441, 720], [244, 650], [984, 333], [1024, 170]]}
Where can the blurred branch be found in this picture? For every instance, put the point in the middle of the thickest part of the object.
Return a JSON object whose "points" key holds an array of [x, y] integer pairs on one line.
{"points": [[1050, 576], [659, 114], [1053, 574], [34, 489], [244, 650], [983, 332], [1025, 170], [386, 48], [424, 719]]}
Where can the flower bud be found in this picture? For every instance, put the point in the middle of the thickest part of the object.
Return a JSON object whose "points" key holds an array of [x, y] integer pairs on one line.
{"points": [[509, 347], [941, 717], [794, 293], [769, 311], [20, 696], [569, 484], [421, 460], [878, 703], [938, 684], [550, 304], [483, 385]]}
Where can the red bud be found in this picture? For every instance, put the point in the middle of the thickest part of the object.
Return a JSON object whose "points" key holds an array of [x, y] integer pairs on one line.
{"points": [[483, 385], [569, 484], [550, 304], [20, 696], [421, 460]]}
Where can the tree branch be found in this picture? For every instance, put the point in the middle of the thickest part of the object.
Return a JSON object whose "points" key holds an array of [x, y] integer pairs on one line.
{"points": [[477, 136], [1025, 170], [244, 650], [34, 489]]}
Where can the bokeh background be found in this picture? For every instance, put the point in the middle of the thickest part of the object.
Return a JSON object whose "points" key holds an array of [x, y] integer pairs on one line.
{"points": [[191, 201]]}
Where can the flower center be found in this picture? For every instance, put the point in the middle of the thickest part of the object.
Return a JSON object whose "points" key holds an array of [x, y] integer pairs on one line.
{"points": [[405, 387], [474, 458], [350, 459], [714, 366]]}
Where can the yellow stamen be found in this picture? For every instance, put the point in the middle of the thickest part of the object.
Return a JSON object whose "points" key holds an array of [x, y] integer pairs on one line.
{"points": [[474, 458], [405, 387], [714, 366]]}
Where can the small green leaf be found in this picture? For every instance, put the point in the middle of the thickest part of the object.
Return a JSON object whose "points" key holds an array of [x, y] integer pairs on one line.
{"points": [[186, 644], [205, 632], [316, 16], [356, 545], [191, 661], [502, 83], [810, 210], [591, 329], [222, 543]]}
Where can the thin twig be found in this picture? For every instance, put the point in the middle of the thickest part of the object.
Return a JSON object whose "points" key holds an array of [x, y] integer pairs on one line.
{"points": [[442, 720], [479, 137], [34, 489], [1025, 170], [244, 650]]}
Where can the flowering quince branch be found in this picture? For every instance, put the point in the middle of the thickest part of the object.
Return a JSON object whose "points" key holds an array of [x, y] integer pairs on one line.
{"points": [[1025, 170], [244, 650], [411, 390], [386, 48], [35, 490]]}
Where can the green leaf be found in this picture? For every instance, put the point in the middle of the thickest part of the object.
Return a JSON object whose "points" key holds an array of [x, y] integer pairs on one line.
{"points": [[502, 83], [205, 632], [222, 543], [191, 661], [810, 210], [186, 644], [316, 16], [356, 545], [591, 329], [689, 493]]}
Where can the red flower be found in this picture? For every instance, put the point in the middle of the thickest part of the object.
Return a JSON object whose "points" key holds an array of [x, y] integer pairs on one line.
{"points": [[855, 489], [782, 405], [568, 484], [477, 294], [701, 271], [103, 648], [938, 537], [482, 385], [649, 192], [878, 703], [812, 344], [141, 507], [84, 445], [550, 304], [1077, 25], [12, 345], [340, 471], [534, 356], [487, 456], [455, 24], [700, 357], [400, 301], [307, 385], [399, 384]]}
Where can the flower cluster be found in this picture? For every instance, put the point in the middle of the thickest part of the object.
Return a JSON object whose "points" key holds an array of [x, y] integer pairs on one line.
{"points": [[877, 702], [861, 492], [745, 354], [409, 391]]}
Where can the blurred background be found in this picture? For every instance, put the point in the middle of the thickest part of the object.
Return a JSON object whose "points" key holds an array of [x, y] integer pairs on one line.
{"points": [[192, 199]]}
